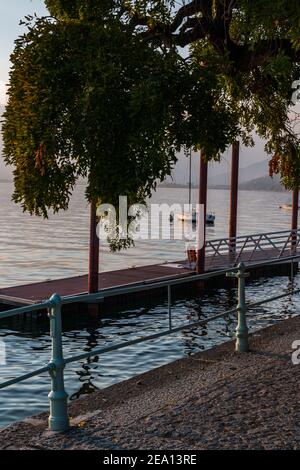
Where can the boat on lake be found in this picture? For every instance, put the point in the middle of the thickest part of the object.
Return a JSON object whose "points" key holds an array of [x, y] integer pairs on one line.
{"points": [[287, 207], [192, 217]]}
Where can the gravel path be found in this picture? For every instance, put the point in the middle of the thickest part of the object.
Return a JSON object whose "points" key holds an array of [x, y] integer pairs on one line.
{"points": [[216, 399]]}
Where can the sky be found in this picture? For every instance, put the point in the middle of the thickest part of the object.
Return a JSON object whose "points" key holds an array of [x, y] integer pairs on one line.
{"points": [[11, 12]]}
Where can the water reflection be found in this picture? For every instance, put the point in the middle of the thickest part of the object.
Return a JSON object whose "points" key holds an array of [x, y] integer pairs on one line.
{"points": [[28, 342], [32, 251]]}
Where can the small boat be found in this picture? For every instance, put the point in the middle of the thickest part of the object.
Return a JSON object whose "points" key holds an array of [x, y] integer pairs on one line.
{"points": [[192, 217], [210, 218], [187, 216], [287, 207]]}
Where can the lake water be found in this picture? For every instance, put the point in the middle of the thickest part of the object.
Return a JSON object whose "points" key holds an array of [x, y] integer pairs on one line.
{"points": [[33, 250]]}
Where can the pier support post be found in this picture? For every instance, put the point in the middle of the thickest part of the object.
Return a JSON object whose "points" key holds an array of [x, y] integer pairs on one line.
{"points": [[170, 307], [242, 343], [234, 196], [294, 227], [202, 224], [58, 419], [94, 251]]}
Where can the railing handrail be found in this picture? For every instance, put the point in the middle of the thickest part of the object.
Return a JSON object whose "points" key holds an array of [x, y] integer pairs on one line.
{"points": [[112, 291], [58, 418], [264, 239], [242, 237], [246, 246]]}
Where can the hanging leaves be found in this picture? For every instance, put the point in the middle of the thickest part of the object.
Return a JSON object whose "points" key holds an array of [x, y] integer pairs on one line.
{"points": [[88, 98], [100, 91]]}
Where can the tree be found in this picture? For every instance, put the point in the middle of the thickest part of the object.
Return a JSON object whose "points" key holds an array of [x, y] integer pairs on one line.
{"points": [[104, 90], [254, 49]]}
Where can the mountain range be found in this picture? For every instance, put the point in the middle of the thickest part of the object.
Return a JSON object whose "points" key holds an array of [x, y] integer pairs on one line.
{"points": [[253, 177], [248, 173]]}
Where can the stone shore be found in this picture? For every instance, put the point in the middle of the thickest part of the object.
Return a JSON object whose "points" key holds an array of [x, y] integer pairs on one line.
{"points": [[216, 399]]}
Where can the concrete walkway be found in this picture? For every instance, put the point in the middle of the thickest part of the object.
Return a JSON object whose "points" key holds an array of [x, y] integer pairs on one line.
{"points": [[214, 400]]}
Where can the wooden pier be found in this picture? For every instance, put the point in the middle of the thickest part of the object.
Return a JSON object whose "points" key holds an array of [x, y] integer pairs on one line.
{"points": [[212, 256], [37, 292], [250, 249]]}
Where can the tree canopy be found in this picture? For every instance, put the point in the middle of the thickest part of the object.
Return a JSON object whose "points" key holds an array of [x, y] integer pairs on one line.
{"points": [[110, 90]]}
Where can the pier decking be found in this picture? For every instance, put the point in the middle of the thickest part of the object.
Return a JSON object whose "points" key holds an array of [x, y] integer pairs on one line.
{"points": [[215, 260], [37, 292]]}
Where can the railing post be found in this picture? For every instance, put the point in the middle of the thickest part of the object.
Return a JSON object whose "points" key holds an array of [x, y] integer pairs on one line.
{"points": [[58, 419], [242, 344]]}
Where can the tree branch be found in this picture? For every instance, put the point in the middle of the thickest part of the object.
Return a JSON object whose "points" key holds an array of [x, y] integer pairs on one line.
{"points": [[197, 20], [247, 60], [196, 6]]}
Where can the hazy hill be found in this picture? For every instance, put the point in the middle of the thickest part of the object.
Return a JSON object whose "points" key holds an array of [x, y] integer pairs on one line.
{"points": [[252, 172], [265, 183]]}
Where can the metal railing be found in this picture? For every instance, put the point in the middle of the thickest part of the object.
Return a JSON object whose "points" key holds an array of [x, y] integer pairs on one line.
{"points": [[58, 398], [269, 245]]}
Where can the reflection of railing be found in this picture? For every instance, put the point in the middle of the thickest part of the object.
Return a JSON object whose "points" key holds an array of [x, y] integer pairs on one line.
{"points": [[250, 248], [58, 419]]}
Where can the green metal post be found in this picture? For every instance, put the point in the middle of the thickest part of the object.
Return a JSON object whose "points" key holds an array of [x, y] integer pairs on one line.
{"points": [[242, 344], [241, 332], [58, 419]]}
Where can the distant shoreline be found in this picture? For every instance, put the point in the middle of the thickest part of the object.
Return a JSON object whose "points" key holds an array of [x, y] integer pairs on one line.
{"points": [[216, 187], [224, 187], [241, 188]]}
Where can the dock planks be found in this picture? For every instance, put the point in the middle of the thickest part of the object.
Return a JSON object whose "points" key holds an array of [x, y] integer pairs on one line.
{"points": [[37, 292]]}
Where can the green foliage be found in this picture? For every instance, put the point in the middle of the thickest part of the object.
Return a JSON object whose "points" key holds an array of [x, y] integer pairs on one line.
{"points": [[99, 90], [81, 9], [89, 99], [256, 69]]}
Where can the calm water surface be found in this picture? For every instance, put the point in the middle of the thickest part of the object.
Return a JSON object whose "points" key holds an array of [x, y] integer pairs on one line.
{"points": [[35, 250], [32, 249]]}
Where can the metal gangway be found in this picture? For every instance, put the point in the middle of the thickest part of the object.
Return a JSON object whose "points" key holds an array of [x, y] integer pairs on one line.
{"points": [[229, 252]]}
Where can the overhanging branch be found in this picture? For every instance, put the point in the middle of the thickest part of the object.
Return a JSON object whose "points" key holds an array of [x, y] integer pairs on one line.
{"points": [[198, 20]]}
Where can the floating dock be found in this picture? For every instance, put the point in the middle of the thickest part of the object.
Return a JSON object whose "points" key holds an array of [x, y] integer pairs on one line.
{"points": [[37, 292], [40, 291]]}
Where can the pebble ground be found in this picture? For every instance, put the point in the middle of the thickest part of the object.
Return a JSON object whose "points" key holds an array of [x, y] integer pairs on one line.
{"points": [[216, 399]]}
